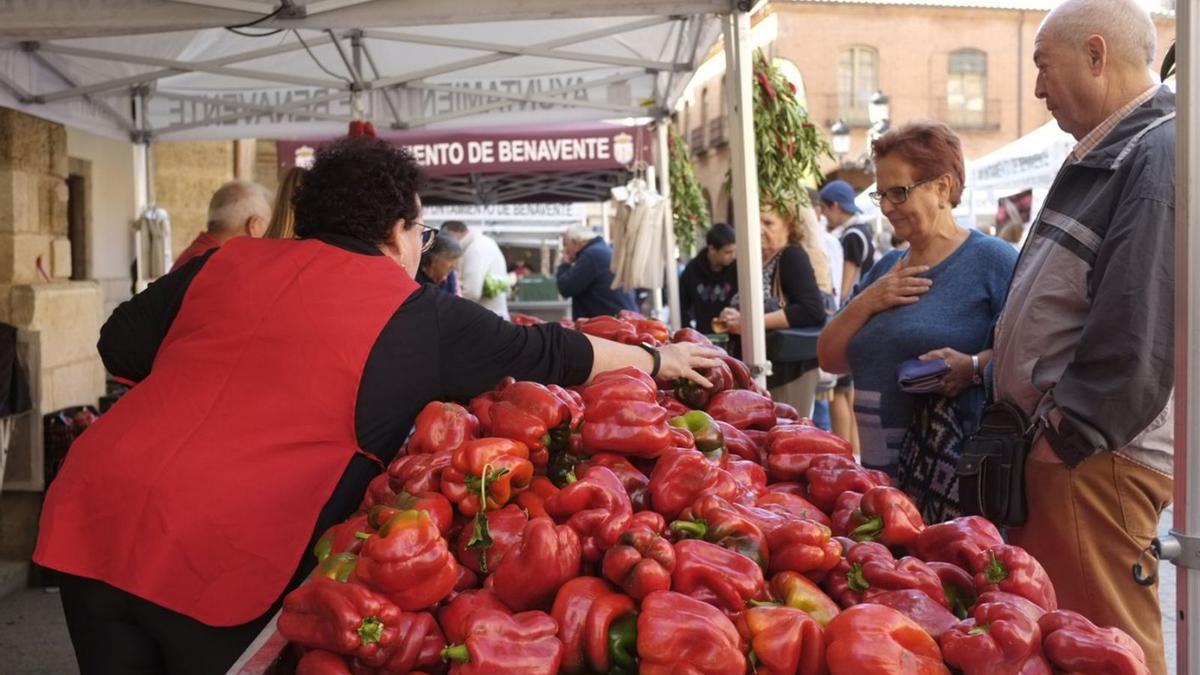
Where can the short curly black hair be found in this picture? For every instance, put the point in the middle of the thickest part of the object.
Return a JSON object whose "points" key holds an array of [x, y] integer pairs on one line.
{"points": [[358, 186]]}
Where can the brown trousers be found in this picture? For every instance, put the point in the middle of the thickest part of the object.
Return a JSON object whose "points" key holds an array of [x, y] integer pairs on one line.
{"points": [[1087, 526]]}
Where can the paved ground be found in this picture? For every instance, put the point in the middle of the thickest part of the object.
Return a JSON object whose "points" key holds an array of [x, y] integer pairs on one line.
{"points": [[33, 635]]}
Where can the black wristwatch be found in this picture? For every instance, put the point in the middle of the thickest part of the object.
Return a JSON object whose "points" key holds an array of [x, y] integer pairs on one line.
{"points": [[653, 352]]}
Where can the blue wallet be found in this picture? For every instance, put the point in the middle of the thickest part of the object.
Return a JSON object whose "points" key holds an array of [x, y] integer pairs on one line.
{"points": [[921, 377]]}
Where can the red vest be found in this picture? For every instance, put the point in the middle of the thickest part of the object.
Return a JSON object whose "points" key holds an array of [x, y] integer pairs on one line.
{"points": [[199, 490]]}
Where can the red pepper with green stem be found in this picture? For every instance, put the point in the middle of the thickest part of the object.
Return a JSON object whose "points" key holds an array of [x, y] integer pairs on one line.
{"points": [[998, 638], [707, 435], [338, 567], [533, 500], [792, 589], [534, 415], [846, 515], [597, 508], [743, 409], [869, 569], [677, 634], [453, 615], [419, 647], [498, 642], [597, 626], [697, 397], [482, 548], [1075, 645], [379, 491], [433, 503], [889, 516], [408, 562], [442, 426], [1013, 570], [782, 640], [679, 479], [828, 476], [957, 541], [530, 574], [715, 520], [342, 618], [881, 641], [716, 575], [345, 537], [486, 473], [959, 587], [640, 563], [795, 544], [791, 448]]}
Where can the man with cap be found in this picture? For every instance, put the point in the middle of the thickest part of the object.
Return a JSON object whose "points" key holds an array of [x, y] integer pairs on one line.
{"points": [[858, 249]]}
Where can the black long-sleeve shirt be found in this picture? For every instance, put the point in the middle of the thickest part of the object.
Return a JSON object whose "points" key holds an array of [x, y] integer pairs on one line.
{"points": [[805, 306], [435, 347]]}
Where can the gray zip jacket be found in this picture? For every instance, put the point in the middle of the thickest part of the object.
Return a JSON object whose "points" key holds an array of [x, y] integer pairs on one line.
{"points": [[1085, 343]]}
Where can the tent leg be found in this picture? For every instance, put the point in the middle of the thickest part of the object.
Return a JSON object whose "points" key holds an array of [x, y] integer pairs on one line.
{"points": [[662, 160], [143, 186], [1187, 342], [739, 80]]}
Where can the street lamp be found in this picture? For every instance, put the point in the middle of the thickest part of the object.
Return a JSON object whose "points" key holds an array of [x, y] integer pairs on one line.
{"points": [[841, 138], [878, 108], [879, 128]]}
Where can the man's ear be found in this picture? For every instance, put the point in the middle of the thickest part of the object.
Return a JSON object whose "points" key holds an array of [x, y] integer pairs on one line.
{"points": [[256, 226], [1096, 51]]}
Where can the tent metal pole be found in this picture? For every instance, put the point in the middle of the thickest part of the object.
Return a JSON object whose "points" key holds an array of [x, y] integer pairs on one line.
{"points": [[662, 159], [744, 190], [1186, 530], [397, 121]]}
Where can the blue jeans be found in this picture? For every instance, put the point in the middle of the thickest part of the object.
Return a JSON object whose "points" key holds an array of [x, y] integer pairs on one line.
{"points": [[821, 415]]}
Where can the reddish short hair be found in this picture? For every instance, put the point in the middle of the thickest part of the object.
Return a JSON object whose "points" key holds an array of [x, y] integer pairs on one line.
{"points": [[931, 147]]}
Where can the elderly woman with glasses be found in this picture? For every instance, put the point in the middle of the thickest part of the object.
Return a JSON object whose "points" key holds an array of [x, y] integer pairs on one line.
{"points": [[935, 301], [276, 379]]}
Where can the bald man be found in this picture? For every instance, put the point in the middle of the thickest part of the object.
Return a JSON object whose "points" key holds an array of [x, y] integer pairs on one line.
{"points": [[1084, 345], [238, 208]]}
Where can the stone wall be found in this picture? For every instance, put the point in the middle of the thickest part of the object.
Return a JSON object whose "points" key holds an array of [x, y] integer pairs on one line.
{"points": [[185, 176]]}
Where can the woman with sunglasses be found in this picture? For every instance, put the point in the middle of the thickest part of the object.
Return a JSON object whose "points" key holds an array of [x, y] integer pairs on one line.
{"points": [[276, 378], [936, 300]]}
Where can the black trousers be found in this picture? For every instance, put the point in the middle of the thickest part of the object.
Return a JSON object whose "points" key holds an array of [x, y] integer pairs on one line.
{"points": [[115, 632]]}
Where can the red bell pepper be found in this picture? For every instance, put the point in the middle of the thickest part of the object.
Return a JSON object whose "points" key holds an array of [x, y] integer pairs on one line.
{"points": [[467, 580], [697, 397], [881, 641], [689, 334], [784, 411], [797, 591], [742, 379], [674, 630], [481, 405], [743, 409], [345, 537], [1075, 645], [529, 575], [534, 415], [415, 474], [783, 641], [567, 323], [707, 436], [1031, 610], [486, 473], [498, 642], [790, 449], [433, 503], [957, 541], [789, 488], [888, 516], [750, 477], [630, 315], [321, 662], [572, 400], [959, 587], [502, 532], [919, 607], [679, 479], [787, 503], [343, 618], [652, 331], [739, 444], [998, 638], [597, 508], [640, 563], [636, 483], [453, 615], [533, 500], [419, 647], [715, 520], [828, 476], [869, 569], [379, 491], [671, 403], [609, 328], [338, 567], [408, 562], [795, 544], [1013, 570], [519, 319], [759, 438], [597, 626], [622, 415], [846, 515], [442, 426], [716, 575]]}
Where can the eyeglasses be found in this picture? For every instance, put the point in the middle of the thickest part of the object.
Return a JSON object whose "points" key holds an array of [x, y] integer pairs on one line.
{"points": [[898, 195], [428, 234]]}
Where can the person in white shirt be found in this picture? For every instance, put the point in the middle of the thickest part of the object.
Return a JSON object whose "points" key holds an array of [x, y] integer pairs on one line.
{"points": [[481, 269]]}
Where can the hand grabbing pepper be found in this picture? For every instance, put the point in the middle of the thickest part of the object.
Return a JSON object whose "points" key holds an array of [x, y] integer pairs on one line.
{"points": [[677, 634]]}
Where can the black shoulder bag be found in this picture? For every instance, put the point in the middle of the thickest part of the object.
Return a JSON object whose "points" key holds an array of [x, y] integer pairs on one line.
{"points": [[991, 471]]}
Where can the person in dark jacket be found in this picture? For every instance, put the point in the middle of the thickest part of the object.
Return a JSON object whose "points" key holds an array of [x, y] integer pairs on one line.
{"points": [[586, 276], [709, 280], [437, 264]]}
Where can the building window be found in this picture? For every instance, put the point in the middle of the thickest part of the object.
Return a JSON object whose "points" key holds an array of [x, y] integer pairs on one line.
{"points": [[966, 88], [858, 78]]}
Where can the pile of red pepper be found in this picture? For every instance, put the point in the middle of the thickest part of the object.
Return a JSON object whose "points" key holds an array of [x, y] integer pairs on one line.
{"points": [[633, 526]]}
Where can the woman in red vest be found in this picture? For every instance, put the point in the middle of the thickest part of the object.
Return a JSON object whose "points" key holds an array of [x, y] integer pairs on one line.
{"points": [[276, 378]]}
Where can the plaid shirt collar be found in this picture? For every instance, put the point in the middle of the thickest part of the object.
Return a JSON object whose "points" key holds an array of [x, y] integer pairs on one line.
{"points": [[1089, 142]]}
